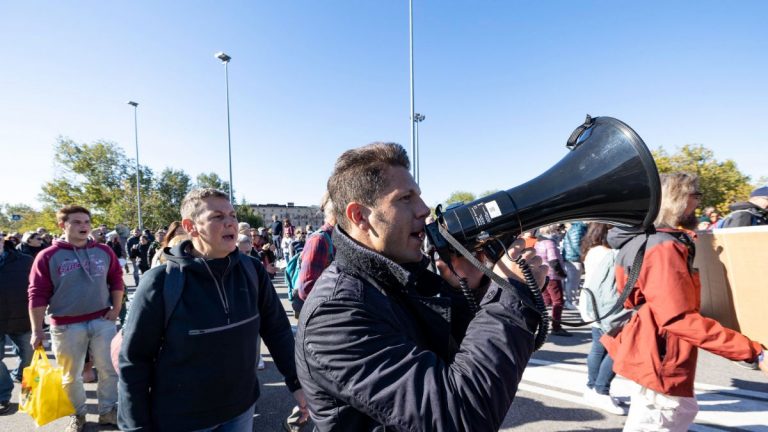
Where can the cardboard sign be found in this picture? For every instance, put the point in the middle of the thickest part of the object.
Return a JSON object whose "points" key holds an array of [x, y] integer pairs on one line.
{"points": [[732, 263]]}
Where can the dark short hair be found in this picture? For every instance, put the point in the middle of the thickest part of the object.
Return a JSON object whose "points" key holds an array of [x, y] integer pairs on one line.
{"points": [[358, 175], [63, 214]]}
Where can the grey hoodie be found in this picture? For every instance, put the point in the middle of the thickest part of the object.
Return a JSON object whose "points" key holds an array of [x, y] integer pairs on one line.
{"points": [[74, 283]]}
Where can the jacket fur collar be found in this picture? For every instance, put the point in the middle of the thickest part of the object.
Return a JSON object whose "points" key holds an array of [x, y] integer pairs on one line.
{"points": [[357, 260]]}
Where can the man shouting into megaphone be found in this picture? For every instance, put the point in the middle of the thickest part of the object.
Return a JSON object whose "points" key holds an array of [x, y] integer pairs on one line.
{"points": [[384, 342]]}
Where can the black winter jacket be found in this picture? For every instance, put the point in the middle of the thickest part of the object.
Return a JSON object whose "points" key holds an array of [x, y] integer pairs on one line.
{"points": [[379, 347], [117, 248], [129, 244], [201, 370], [745, 214], [29, 250], [14, 280]]}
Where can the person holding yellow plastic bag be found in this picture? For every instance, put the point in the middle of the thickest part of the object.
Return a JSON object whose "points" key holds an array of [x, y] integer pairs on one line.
{"points": [[78, 284], [42, 395]]}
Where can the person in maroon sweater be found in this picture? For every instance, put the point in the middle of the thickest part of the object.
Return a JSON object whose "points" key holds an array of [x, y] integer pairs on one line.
{"points": [[79, 283]]}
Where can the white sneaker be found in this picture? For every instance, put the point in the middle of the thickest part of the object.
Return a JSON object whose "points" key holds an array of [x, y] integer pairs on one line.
{"points": [[76, 423], [569, 306], [261, 365], [606, 403]]}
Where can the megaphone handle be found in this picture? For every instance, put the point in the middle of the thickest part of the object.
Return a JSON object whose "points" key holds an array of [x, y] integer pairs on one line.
{"points": [[536, 305]]}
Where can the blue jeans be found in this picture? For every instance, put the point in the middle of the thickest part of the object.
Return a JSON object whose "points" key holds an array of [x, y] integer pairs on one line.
{"points": [[599, 365], [241, 423], [135, 272], [24, 350], [70, 343]]}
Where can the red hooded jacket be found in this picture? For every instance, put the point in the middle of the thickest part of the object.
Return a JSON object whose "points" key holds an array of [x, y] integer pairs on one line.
{"points": [[658, 347]]}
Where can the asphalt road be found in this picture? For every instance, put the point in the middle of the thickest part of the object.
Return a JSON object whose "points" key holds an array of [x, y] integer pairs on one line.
{"points": [[549, 398]]}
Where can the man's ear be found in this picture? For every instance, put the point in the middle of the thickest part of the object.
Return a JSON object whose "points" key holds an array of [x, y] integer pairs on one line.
{"points": [[189, 227], [357, 214]]}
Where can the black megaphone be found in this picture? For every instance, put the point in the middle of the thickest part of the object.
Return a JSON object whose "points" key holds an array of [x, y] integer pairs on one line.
{"points": [[609, 176]]}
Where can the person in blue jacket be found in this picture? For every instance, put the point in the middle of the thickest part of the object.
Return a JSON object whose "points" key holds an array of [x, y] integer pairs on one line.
{"points": [[196, 369]]}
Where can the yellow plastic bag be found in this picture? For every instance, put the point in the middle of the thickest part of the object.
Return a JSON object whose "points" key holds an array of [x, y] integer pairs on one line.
{"points": [[42, 394]]}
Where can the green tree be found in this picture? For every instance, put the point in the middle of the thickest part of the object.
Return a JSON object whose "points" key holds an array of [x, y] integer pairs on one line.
{"points": [[100, 177], [245, 213], [212, 180], [174, 185], [721, 182], [164, 200], [91, 175], [30, 220], [460, 196]]}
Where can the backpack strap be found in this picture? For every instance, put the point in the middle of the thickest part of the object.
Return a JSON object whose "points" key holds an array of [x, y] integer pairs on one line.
{"points": [[172, 288]]}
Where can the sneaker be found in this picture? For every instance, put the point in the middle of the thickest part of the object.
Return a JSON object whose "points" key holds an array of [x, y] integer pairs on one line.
{"points": [[570, 306], [5, 406], [261, 365], [76, 423], [606, 403], [560, 332], [109, 418]]}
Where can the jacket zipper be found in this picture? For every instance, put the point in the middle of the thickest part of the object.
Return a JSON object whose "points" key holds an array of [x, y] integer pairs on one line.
{"points": [[220, 287], [221, 328]]}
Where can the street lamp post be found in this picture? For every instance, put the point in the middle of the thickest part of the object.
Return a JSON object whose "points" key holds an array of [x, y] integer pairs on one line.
{"points": [[417, 118], [412, 117], [225, 59], [135, 106]]}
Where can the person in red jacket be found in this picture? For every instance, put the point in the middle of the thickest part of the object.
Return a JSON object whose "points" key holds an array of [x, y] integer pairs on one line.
{"points": [[658, 347]]}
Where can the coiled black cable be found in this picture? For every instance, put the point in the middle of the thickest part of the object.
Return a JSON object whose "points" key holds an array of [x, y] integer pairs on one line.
{"points": [[538, 300], [469, 295]]}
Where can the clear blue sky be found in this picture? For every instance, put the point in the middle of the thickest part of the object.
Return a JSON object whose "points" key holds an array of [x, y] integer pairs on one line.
{"points": [[502, 85]]}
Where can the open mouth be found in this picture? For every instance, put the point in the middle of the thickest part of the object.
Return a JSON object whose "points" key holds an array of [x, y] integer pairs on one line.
{"points": [[229, 237]]}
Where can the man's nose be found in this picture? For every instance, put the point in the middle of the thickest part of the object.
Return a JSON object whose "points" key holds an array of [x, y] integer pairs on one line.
{"points": [[423, 209]]}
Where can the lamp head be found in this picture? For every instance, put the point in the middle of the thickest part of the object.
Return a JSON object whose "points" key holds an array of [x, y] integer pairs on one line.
{"points": [[133, 104], [223, 57]]}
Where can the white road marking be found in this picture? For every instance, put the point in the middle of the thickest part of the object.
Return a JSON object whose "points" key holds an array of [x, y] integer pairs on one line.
{"points": [[718, 405]]}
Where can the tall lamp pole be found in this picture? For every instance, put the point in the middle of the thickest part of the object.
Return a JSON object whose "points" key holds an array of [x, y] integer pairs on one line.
{"points": [[225, 59], [417, 118], [412, 118], [135, 106]]}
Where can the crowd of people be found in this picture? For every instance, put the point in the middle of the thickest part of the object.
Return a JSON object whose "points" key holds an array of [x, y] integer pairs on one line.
{"points": [[382, 340]]}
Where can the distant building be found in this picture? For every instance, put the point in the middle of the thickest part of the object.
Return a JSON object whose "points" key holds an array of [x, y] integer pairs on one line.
{"points": [[299, 216]]}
